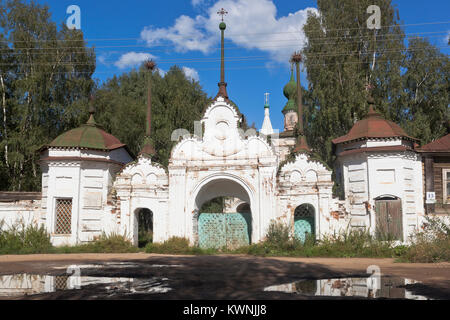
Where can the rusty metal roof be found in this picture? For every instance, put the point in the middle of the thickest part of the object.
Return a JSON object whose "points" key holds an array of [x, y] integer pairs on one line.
{"points": [[439, 145], [89, 136], [373, 126]]}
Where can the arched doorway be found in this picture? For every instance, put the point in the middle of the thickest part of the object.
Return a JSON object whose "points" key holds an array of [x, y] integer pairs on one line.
{"points": [[388, 218], [304, 221], [221, 229], [143, 228]]}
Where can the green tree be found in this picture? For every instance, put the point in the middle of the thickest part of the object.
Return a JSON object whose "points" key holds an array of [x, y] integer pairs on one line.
{"points": [[176, 103], [425, 112], [341, 57], [44, 71]]}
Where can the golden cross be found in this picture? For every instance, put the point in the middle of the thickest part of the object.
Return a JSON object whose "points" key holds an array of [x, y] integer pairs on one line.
{"points": [[222, 12]]}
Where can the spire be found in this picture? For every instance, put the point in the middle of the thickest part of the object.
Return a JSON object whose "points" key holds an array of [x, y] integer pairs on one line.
{"points": [[289, 93], [266, 128], [222, 84], [266, 100], [302, 143], [147, 148], [91, 120], [370, 100]]}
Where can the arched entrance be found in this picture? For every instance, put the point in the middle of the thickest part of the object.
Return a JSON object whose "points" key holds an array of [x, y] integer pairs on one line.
{"points": [[388, 218], [304, 221], [143, 227], [222, 229]]}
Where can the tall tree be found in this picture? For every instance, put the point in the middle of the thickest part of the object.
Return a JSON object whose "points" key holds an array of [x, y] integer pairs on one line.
{"points": [[46, 71], [425, 112], [342, 57], [176, 103]]}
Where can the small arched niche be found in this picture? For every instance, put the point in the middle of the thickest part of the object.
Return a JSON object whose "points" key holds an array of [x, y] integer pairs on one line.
{"points": [[304, 221]]}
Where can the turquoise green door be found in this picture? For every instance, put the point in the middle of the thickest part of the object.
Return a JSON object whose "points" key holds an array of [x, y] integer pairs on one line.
{"points": [[219, 230], [303, 226], [304, 221]]}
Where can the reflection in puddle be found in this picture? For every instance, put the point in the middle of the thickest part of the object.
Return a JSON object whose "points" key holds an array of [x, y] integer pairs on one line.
{"points": [[120, 265], [28, 284], [371, 287]]}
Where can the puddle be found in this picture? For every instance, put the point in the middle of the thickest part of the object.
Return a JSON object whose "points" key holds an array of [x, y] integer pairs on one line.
{"points": [[369, 287], [29, 284], [119, 265]]}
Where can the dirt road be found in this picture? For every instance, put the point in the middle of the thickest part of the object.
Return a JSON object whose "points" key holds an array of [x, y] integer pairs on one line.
{"points": [[221, 276]]}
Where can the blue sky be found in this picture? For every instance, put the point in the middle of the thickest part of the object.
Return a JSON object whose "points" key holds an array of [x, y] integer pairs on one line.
{"points": [[186, 33]]}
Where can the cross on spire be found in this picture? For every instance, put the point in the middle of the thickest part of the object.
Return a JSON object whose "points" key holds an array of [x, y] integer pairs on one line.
{"points": [[266, 99], [222, 12], [222, 84]]}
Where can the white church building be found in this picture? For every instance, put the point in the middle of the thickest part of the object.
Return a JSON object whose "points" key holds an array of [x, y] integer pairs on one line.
{"points": [[92, 184]]}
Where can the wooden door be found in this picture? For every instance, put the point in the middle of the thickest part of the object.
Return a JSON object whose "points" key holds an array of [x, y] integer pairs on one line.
{"points": [[389, 224]]}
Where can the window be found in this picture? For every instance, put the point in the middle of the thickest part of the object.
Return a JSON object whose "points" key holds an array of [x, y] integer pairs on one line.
{"points": [[63, 210], [446, 184]]}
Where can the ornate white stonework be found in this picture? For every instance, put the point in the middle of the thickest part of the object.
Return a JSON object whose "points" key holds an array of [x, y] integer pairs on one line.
{"points": [[225, 163], [107, 189]]}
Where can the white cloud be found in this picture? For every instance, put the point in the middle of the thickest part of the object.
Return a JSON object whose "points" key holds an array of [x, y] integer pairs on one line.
{"points": [[196, 2], [447, 37], [252, 24], [132, 59], [102, 59], [191, 73], [186, 34]]}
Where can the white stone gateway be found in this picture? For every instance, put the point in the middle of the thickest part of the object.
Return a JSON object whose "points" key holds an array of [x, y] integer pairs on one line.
{"points": [[91, 184]]}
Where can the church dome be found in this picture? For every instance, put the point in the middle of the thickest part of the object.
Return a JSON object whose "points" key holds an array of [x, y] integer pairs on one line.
{"points": [[87, 136], [373, 126], [289, 92], [290, 88]]}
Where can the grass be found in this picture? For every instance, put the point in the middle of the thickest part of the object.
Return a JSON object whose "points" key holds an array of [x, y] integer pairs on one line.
{"points": [[24, 239], [430, 245], [353, 243], [111, 243], [177, 245]]}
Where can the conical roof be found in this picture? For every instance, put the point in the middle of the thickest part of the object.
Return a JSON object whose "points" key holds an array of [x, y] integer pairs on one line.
{"points": [[373, 126], [88, 136]]}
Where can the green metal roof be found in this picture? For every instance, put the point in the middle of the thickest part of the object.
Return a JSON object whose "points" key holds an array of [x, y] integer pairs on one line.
{"points": [[88, 136], [289, 92]]}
